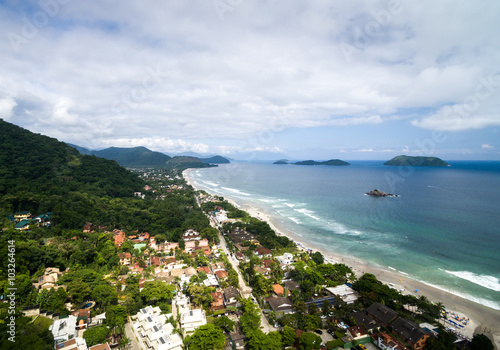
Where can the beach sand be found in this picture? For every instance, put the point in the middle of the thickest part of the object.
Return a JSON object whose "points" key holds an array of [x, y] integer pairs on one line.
{"points": [[482, 319]]}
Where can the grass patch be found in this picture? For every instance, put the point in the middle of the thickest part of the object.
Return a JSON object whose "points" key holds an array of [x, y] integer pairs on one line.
{"points": [[42, 323]]}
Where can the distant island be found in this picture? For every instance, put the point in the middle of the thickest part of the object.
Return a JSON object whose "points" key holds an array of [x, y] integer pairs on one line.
{"points": [[331, 162], [416, 161], [378, 193], [281, 161]]}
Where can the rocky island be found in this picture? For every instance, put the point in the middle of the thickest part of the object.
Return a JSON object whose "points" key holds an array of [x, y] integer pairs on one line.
{"points": [[378, 193], [416, 161]]}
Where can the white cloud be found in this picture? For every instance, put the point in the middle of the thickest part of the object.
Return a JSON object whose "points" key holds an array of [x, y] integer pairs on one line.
{"points": [[7, 105], [174, 76], [486, 146]]}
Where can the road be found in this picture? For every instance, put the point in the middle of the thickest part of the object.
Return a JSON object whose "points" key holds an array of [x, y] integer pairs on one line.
{"points": [[246, 291], [133, 345]]}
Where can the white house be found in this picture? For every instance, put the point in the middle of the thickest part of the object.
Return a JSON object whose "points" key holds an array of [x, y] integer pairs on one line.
{"points": [[193, 319], [153, 331], [347, 294], [64, 329]]}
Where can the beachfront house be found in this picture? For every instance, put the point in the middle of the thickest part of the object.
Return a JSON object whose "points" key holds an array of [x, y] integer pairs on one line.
{"points": [[382, 313], [411, 333]]}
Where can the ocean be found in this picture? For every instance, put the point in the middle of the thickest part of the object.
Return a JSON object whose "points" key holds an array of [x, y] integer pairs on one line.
{"points": [[443, 229]]}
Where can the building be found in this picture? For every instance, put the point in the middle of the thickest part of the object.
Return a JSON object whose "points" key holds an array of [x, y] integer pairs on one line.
{"points": [[193, 319], [278, 290], [357, 332], [386, 342], [237, 340], [49, 279], [411, 333], [365, 320], [218, 303], [346, 293], [382, 313], [153, 332], [231, 296], [281, 306], [119, 237], [64, 329], [263, 252], [104, 346], [73, 344]]}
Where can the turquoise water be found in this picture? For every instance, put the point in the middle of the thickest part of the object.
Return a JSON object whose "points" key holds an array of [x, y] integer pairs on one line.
{"points": [[443, 229]]}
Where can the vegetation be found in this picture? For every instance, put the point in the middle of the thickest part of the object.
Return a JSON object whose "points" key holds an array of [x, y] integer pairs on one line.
{"points": [[207, 337], [331, 162], [136, 157], [416, 161]]}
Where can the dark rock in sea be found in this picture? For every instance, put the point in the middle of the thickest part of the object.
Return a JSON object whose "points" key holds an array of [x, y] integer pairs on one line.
{"points": [[378, 193]]}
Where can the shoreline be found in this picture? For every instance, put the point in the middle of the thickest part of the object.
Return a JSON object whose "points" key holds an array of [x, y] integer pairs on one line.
{"points": [[482, 319]]}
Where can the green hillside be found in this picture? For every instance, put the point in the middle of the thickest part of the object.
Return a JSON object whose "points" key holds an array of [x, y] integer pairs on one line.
{"points": [[41, 174], [137, 157], [215, 160], [416, 161], [182, 162]]}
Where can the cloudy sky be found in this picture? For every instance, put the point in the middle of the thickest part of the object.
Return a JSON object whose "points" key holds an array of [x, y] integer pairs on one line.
{"points": [[310, 79]]}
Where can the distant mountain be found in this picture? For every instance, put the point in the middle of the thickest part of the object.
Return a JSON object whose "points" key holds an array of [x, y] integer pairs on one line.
{"points": [[281, 161], [215, 160], [331, 162], [187, 162], [80, 149], [416, 161], [136, 157]]}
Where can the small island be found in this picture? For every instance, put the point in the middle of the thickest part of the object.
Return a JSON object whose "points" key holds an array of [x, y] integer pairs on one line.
{"points": [[378, 193], [416, 161], [331, 162], [281, 162]]}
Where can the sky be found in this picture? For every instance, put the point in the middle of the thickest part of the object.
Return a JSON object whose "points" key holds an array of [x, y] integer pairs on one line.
{"points": [[305, 79]]}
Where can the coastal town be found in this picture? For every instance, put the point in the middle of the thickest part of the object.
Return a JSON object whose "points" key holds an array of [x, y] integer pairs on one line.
{"points": [[236, 284]]}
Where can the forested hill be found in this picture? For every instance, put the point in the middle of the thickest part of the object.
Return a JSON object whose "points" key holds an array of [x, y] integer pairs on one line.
{"points": [[135, 157], [37, 170]]}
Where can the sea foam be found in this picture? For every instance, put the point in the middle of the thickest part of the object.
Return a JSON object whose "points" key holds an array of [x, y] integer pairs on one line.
{"points": [[485, 281], [236, 191]]}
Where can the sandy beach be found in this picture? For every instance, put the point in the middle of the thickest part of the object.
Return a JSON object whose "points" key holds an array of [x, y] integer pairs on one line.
{"points": [[481, 319]]}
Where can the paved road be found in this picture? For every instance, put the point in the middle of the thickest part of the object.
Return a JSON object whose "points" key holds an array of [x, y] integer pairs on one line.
{"points": [[133, 345], [246, 291]]}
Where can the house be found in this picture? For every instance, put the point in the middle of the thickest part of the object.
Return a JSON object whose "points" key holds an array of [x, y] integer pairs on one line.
{"points": [[104, 346], [82, 318], [365, 320], [63, 329], [278, 290], [382, 313], [43, 219], [231, 296], [357, 332], [73, 344], [259, 270], [193, 319], [211, 281], [23, 225], [263, 252], [171, 246], [386, 342], [266, 263], [119, 237], [221, 275], [191, 235], [281, 306], [291, 285], [238, 340], [125, 258], [286, 259], [346, 293], [205, 269], [49, 279], [22, 215], [411, 333], [217, 266], [154, 260], [218, 303], [153, 331]]}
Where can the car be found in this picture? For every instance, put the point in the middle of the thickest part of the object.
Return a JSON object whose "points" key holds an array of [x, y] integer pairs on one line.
{"points": [[318, 331], [362, 347], [329, 331]]}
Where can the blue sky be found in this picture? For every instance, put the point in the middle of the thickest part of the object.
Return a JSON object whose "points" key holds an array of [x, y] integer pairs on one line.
{"points": [[320, 80]]}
